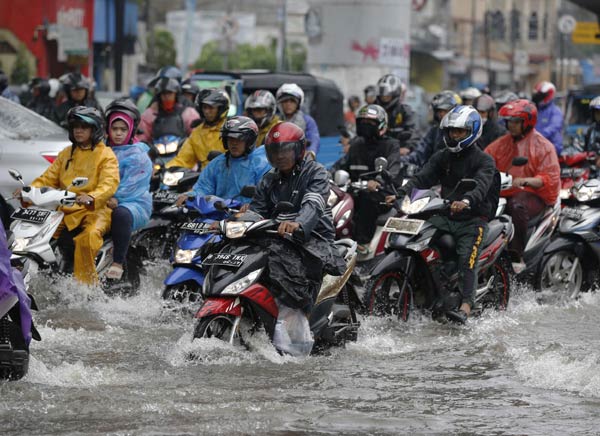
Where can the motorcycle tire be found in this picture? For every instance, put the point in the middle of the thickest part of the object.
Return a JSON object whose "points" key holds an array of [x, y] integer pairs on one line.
{"points": [[497, 298], [553, 282], [14, 353], [390, 293], [217, 326]]}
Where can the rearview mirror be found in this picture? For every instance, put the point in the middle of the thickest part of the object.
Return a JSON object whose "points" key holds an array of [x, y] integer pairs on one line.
{"points": [[381, 164], [341, 177], [15, 175], [465, 185], [284, 207], [248, 191], [78, 182], [519, 161]]}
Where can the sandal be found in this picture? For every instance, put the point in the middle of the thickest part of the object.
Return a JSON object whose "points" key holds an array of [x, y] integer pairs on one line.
{"points": [[115, 272], [362, 249]]}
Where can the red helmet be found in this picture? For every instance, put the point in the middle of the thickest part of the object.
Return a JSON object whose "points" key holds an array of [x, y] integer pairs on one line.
{"points": [[285, 136], [520, 110], [543, 93]]}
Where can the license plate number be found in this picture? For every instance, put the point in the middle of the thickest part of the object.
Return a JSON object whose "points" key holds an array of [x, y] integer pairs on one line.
{"points": [[572, 213], [198, 228], [225, 259], [31, 215], [165, 196], [405, 226]]}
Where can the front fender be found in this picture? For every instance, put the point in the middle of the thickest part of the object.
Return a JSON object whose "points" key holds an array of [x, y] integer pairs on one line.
{"points": [[561, 242], [182, 274], [393, 261], [220, 306]]}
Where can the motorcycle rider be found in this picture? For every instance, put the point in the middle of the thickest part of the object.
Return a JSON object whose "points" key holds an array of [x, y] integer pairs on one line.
{"points": [[350, 114], [469, 95], [214, 105], [132, 203], [148, 97], [390, 94], [77, 88], [433, 140], [297, 271], [550, 117], [486, 106], [290, 98], [536, 184], [41, 102], [502, 97], [166, 116], [370, 93], [5, 90], [86, 222], [239, 166], [592, 135], [370, 143], [261, 106], [189, 90], [469, 211]]}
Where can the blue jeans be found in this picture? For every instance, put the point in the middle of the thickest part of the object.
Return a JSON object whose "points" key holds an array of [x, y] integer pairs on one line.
{"points": [[121, 229]]}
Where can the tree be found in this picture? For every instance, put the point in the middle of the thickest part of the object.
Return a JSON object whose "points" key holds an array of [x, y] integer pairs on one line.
{"points": [[164, 48], [20, 72], [296, 56], [210, 58]]}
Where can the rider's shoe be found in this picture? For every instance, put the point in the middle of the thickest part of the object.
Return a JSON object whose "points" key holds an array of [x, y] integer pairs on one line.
{"points": [[458, 316]]}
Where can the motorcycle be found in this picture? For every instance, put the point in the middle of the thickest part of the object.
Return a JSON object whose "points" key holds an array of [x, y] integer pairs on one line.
{"points": [[575, 168], [162, 151], [34, 227], [186, 280], [420, 270], [238, 303], [571, 260]]}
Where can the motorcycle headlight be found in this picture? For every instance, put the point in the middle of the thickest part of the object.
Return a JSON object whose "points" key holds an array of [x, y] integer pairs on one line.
{"points": [[419, 245], [241, 284], [343, 219], [413, 207], [171, 147], [161, 148], [236, 229], [185, 256], [565, 194], [586, 193], [171, 179], [332, 200]]}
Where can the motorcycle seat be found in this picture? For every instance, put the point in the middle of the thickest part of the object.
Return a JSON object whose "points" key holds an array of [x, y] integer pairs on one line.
{"points": [[343, 246], [382, 219]]}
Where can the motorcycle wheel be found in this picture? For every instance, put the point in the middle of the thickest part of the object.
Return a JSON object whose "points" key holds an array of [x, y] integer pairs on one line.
{"points": [[561, 276], [14, 362], [187, 292], [497, 297], [219, 327], [390, 293]]}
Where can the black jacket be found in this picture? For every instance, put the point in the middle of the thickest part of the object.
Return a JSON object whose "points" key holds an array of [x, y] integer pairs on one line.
{"points": [[63, 108], [401, 124], [362, 154], [432, 141], [43, 105], [592, 138], [307, 189], [447, 168], [490, 132]]}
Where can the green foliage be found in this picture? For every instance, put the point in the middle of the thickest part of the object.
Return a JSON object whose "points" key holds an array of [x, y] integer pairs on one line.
{"points": [[20, 72], [210, 57], [296, 56], [164, 49]]}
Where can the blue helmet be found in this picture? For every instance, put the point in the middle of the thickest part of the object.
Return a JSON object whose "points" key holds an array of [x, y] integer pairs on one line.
{"points": [[461, 117]]}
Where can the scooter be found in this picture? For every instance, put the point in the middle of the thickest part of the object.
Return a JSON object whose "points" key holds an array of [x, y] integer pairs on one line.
{"points": [[34, 227], [571, 260], [420, 270], [238, 303], [162, 151], [575, 168]]}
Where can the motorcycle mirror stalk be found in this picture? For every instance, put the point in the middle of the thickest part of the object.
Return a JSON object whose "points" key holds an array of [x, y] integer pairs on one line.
{"points": [[16, 175]]}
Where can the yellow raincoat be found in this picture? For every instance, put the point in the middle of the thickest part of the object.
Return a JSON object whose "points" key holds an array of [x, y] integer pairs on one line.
{"points": [[195, 149], [262, 133], [101, 167]]}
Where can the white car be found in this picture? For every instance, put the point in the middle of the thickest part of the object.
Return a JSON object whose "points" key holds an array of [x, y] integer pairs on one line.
{"points": [[28, 143]]}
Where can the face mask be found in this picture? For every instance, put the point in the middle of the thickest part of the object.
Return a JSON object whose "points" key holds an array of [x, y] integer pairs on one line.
{"points": [[367, 131], [483, 121], [168, 106]]}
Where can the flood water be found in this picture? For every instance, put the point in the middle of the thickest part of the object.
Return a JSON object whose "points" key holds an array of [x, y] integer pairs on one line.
{"points": [[114, 366]]}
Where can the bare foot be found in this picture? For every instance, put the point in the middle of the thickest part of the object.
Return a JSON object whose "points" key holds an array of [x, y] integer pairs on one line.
{"points": [[466, 308]]}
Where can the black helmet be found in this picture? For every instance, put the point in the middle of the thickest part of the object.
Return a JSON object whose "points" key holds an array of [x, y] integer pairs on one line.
{"points": [[126, 106], [240, 128], [165, 84], [445, 100], [389, 85], [189, 87], [171, 72], [370, 120], [41, 83], [261, 99], [213, 97], [90, 116], [76, 81]]}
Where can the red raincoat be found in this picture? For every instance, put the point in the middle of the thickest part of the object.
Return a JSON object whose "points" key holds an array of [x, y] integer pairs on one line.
{"points": [[542, 163]]}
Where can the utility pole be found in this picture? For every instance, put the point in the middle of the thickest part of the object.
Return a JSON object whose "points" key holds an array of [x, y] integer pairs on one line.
{"points": [[514, 23], [282, 41], [151, 59], [486, 35], [473, 36]]}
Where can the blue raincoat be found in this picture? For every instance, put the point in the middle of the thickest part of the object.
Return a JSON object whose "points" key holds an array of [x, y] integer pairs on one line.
{"points": [[135, 170], [11, 285], [550, 125], [226, 176]]}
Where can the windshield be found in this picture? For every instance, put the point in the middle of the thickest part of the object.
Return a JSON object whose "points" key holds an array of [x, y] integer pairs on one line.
{"points": [[18, 122], [578, 110]]}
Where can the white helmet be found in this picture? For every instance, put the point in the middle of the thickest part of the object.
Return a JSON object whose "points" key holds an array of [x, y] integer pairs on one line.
{"points": [[290, 90], [54, 87], [470, 93]]}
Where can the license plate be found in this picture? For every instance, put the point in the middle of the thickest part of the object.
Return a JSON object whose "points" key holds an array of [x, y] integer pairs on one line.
{"points": [[36, 216], [225, 259], [405, 226], [165, 196], [198, 228], [572, 213]]}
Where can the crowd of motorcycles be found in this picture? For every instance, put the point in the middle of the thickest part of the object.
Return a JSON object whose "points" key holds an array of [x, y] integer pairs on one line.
{"points": [[218, 268]]}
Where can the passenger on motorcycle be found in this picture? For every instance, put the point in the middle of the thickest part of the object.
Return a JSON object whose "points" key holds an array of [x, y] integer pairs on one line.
{"points": [[77, 87], [5, 90], [261, 106], [433, 140], [290, 98], [166, 116], [486, 107], [469, 95], [86, 222], [469, 211], [401, 125], [189, 91], [370, 93], [370, 143], [132, 203], [297, 270], [205, 138], [239, 166], [41, 102], [536, 184], [550, 117], [592, 136]]}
